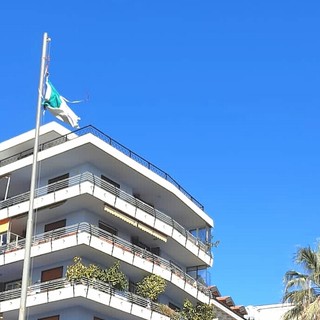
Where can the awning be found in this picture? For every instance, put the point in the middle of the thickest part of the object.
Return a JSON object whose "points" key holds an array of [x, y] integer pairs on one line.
{"points": [[153, 232], [135, 223], [120, 215], [4, 225]]}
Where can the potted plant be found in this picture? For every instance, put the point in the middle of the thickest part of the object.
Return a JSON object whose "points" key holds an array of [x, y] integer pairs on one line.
{"points": [[151, 287]]}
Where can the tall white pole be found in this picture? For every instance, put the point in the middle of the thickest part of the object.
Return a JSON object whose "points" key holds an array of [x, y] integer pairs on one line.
{"points": [[7, 188], [29, 233]]}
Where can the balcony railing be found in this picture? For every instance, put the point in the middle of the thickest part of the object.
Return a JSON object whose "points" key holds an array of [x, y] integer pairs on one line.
{"points": [[96, 181], [13, 238], [115, 241], [99, 134], [90, 284]]}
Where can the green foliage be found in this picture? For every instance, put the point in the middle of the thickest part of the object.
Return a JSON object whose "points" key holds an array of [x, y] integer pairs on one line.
{"points": [[167, 311], [93, 272], [302, 290], [77, 271], [113, 275], [202, 311], [151, 287]]}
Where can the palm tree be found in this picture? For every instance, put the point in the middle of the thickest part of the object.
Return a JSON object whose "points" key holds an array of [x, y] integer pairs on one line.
{"points": [[302, 290]]}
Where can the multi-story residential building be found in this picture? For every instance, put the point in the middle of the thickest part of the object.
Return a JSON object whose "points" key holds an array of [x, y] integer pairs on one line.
{"points": [[97, 200]]}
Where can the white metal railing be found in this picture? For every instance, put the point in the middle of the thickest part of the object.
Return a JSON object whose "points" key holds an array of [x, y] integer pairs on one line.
{"points": [[113, 143], [90, 284], [12, 237], [95, 180], [113, 240]]}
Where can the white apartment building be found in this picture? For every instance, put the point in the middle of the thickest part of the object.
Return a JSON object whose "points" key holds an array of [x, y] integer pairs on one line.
{"points": [[98, 200], [268, 311]]}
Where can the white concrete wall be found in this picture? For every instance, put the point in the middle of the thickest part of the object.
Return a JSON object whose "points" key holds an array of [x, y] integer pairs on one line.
{"points": [[267, 312], [73, 313]]}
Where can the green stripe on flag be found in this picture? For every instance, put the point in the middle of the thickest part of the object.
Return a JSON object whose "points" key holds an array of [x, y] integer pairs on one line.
{"points": [[57, 105], [54, 101]]}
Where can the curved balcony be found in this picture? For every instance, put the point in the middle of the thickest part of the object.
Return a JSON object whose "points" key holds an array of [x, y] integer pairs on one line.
{"points": [[84, 233], [130, 306], [88, 183], [99, 134]]}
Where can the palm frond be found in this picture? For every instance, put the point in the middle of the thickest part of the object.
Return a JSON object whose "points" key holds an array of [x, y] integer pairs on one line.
{"points": [[308, 259], [313, 310], [303, 289], [292, 274], [294, 279], [294, 313], [296, 297]]}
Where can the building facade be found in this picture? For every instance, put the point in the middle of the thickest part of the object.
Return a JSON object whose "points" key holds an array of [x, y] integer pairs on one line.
{"points": [[98, 200], [268, 311]]}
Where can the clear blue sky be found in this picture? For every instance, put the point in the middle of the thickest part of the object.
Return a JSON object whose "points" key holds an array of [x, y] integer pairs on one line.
{"points": [[222, 95]]}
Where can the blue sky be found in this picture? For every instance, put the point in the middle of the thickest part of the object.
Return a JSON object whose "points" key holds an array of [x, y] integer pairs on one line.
{"points": [[222, 95]]}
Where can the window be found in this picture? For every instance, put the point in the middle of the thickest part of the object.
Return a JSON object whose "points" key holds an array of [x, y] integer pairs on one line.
{"points": [[132, 286], [54, 184], [50, 318], [51, 274], [203, 234], [16, 284], [114, 188], [199, 233], [156, 251], [108, 228], [200, 273], [144, 205], [55, 225], [3, 239], [115, 184], [137, 242]]}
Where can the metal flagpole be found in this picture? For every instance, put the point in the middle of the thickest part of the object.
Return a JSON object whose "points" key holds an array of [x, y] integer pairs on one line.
{"points": [[29, 233], [7, 188]]}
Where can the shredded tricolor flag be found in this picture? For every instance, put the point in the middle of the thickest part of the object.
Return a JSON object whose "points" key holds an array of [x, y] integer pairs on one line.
{"points": [[57, 105]]}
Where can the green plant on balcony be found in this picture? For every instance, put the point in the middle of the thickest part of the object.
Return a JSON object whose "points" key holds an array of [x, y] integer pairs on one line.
{"points": [[201, 311], [151, 287], [76, 271], [167, 311], [93, 272], [113, 275]]}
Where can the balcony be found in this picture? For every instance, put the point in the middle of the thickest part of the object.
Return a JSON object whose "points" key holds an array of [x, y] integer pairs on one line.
{"points": [[97, 133], [9, 238], [129, 205], [98, 239], [128, 306]]}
